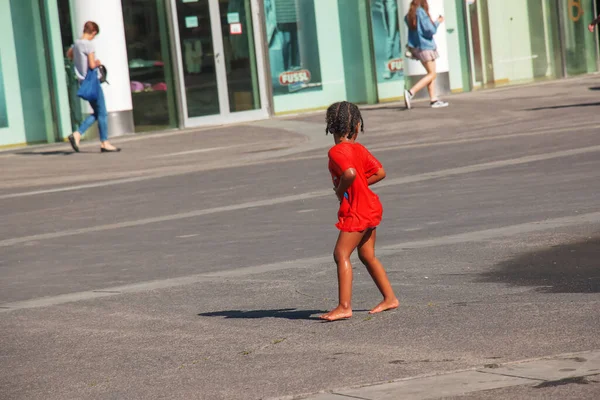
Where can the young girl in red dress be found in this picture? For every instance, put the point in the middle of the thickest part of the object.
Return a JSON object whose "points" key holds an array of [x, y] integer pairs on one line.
{"points": [[353, 169]]}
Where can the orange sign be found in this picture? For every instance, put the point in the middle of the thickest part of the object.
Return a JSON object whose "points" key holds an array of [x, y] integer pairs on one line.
{"points": [[575, 5], [395, 65], [293, 77]]}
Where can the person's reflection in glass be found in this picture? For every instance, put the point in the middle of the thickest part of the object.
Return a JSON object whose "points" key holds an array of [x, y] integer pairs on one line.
{"points": [[390, 22]]}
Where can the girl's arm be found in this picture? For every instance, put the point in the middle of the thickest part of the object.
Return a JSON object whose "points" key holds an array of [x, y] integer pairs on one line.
{"points": [[428, 27], [376, 177], [346, 180]]}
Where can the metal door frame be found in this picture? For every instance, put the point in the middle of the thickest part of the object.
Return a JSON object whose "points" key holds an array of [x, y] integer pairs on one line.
{"points": [[226, 116]]}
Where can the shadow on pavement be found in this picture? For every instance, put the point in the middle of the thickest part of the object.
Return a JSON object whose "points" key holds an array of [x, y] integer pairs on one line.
{"points": [[595, 88], [580, 380], [286, 313], [46, 153], [564, 106], [567, 268], [390, 107]]}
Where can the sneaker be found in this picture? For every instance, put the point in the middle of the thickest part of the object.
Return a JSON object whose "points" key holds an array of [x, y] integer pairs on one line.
{"points": [[439, 104], [407, 98]]}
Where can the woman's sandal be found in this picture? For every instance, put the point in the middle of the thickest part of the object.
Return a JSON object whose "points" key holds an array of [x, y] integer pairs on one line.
{"points": [[73, 143]]}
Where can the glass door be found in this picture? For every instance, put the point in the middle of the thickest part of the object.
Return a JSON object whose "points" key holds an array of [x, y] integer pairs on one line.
{"points": [[218, 61], [512, 42]]}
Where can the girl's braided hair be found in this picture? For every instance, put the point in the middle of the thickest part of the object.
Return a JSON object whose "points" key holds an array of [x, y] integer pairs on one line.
{"points": [[342, 118]]}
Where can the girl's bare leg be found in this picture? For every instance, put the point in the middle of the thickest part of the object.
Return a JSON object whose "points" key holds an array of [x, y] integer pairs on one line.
{"points": [[346, 243], [366, 253], [427, 80], [430, 67]]}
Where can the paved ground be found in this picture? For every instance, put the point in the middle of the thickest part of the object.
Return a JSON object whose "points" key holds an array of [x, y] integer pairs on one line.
{"points": [[567, 376], [194, 264]]}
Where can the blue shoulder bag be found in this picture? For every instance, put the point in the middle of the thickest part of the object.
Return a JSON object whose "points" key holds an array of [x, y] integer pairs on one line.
{"points": [[89, 88]]}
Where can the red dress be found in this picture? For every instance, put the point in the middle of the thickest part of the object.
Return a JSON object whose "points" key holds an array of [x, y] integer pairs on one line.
{"points": [[362, 209]]}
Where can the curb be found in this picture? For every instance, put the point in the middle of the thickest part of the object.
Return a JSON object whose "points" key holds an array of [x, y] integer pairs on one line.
{"points": [[542, 370]]}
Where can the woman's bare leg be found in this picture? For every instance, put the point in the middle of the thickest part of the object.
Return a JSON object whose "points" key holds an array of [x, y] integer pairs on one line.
{"points": [[346, 243], [77, 137], [430, 67], [366, 253], [427, 80]]}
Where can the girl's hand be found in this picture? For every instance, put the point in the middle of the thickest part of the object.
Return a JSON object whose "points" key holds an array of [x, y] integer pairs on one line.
{"points": [[346, 180], [440, 19], [376, 177], [340, 198]]}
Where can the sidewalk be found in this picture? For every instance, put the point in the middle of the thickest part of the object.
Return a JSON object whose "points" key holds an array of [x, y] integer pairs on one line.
{"points": [[565, 369], [180, 152]]}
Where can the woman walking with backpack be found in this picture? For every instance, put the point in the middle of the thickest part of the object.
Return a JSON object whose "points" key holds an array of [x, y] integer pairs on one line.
{"points": [[421, 29]]}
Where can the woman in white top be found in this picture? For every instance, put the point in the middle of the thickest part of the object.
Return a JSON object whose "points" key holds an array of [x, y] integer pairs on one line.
{"points": [[83, 54]]}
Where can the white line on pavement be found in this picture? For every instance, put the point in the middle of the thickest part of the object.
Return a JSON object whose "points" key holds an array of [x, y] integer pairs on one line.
{"points": [[304, 196], [181, 153], [471, 237], [197, 151], [288, 153], [77, 187]]}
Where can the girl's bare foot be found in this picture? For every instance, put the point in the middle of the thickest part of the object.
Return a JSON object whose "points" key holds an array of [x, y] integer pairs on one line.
{"points": [[385, 305], [337, 313]]}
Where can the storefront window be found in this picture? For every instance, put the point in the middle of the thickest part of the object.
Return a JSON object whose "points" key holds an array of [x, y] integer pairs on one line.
{"points": [[319, 53], [388, 48], [150, 71], [512, 41], [293, 46], [579, 42]]}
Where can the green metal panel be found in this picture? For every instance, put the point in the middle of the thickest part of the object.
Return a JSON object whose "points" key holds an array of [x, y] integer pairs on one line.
{"points": [[358, 64], [464, 47], [57, 68], [13, 130], [33, 71]]}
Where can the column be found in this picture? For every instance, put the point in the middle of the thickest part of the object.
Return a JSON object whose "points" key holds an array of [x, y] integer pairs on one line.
{"points": [[111, 50], [413, 70]]}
